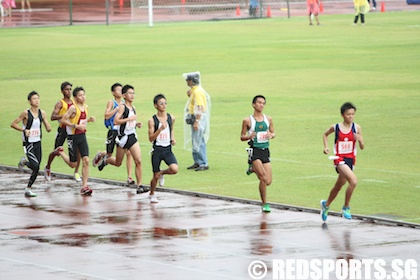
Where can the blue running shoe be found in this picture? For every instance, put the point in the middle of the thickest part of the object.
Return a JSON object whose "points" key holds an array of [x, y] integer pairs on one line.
{"points": [[346, 213], [324, 210]]}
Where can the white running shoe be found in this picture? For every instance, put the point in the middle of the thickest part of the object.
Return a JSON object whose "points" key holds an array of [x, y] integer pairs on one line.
{"points": [[161, 180], [22, 163], [47, 173], [29, 193], [153, 199]]}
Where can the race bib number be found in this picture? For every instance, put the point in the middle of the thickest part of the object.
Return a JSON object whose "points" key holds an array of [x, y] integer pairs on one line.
{"points": [[262, 137], [34, 132], [131, 124], [163, 136], [345, 147], [83, 122]]}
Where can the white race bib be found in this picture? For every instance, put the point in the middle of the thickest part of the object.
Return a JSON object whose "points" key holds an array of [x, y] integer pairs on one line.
{"points": [[34, 132], [131, 124], [83, 122], [163, 136], [262, 136], [345, 147]]}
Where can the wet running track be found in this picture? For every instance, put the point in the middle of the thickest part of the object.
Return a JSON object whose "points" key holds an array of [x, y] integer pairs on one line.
{"points": [[117, 234]]}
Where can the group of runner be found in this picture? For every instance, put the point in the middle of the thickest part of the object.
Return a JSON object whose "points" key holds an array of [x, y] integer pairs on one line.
{"points": [[121, 121]]}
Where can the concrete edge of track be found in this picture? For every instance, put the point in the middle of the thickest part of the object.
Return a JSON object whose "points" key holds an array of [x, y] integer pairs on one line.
{"points": [[365, 218]]}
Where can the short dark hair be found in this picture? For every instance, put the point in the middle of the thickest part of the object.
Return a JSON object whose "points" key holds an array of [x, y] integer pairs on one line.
{"points": [[347, 106], [32, 93], [115, 85], [126, 88], [76, 90], [64, 84], [256, 97], [158, 97]]}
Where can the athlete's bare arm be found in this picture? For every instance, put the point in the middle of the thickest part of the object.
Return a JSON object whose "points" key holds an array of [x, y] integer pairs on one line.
{"points": [[325, 139], [109, 112], [54, 115], [45, 121], [245, 127], [23, 117]]}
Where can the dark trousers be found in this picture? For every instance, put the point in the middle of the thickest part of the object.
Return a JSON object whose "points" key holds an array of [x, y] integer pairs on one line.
{"points": [[362, 18], [34, 155]]}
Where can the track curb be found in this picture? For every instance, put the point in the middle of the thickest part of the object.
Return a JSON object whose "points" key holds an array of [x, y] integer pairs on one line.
{"points": [[281, 206]]}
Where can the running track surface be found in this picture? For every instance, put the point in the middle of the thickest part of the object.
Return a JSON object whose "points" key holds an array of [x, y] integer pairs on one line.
{"points": [[118, 234]]}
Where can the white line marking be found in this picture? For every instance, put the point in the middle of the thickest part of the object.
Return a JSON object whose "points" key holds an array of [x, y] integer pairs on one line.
{"points": [[374, 181], [315, 177], [54, 268]]}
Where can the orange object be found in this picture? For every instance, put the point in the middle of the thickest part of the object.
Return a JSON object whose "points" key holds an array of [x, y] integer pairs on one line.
{"points": [[383, 7], [268, 12], [121, 3], [321, 7], [238, 11]]}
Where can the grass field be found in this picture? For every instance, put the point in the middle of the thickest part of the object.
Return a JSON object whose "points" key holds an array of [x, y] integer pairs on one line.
{"points": [[305, 72]]}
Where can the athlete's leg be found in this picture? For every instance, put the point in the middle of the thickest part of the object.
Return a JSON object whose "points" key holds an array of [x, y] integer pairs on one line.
{"points": [[351, 178], [66, 159], [263, 176], [128, 163], [136, 153], [171, 170], [341, 180], [76, 169], [59, 141], [85, 169], [117, 160], [34, 155]]}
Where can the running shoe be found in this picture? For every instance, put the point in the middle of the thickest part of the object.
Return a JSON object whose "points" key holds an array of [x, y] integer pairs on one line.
{"points": [[130, 181], [324, 210], [103, 163], [22, 163], [29, 193], [161, 180], [86, 191], [47, 173], [153, 199], [97, 159], [346, 212], [249, 171], [142, 189], [77, 177], [266, 208]]}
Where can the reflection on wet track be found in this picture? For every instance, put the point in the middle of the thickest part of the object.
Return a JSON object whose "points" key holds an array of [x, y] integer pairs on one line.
{"points": [[117, 234]]}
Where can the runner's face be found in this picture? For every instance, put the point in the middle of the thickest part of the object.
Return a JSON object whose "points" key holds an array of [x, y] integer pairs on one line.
{"points": [[161, 104], [34, 101], [348, 115], [118, 92], [129, 95], [259, 104], [81, 96], [67, 91]]}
